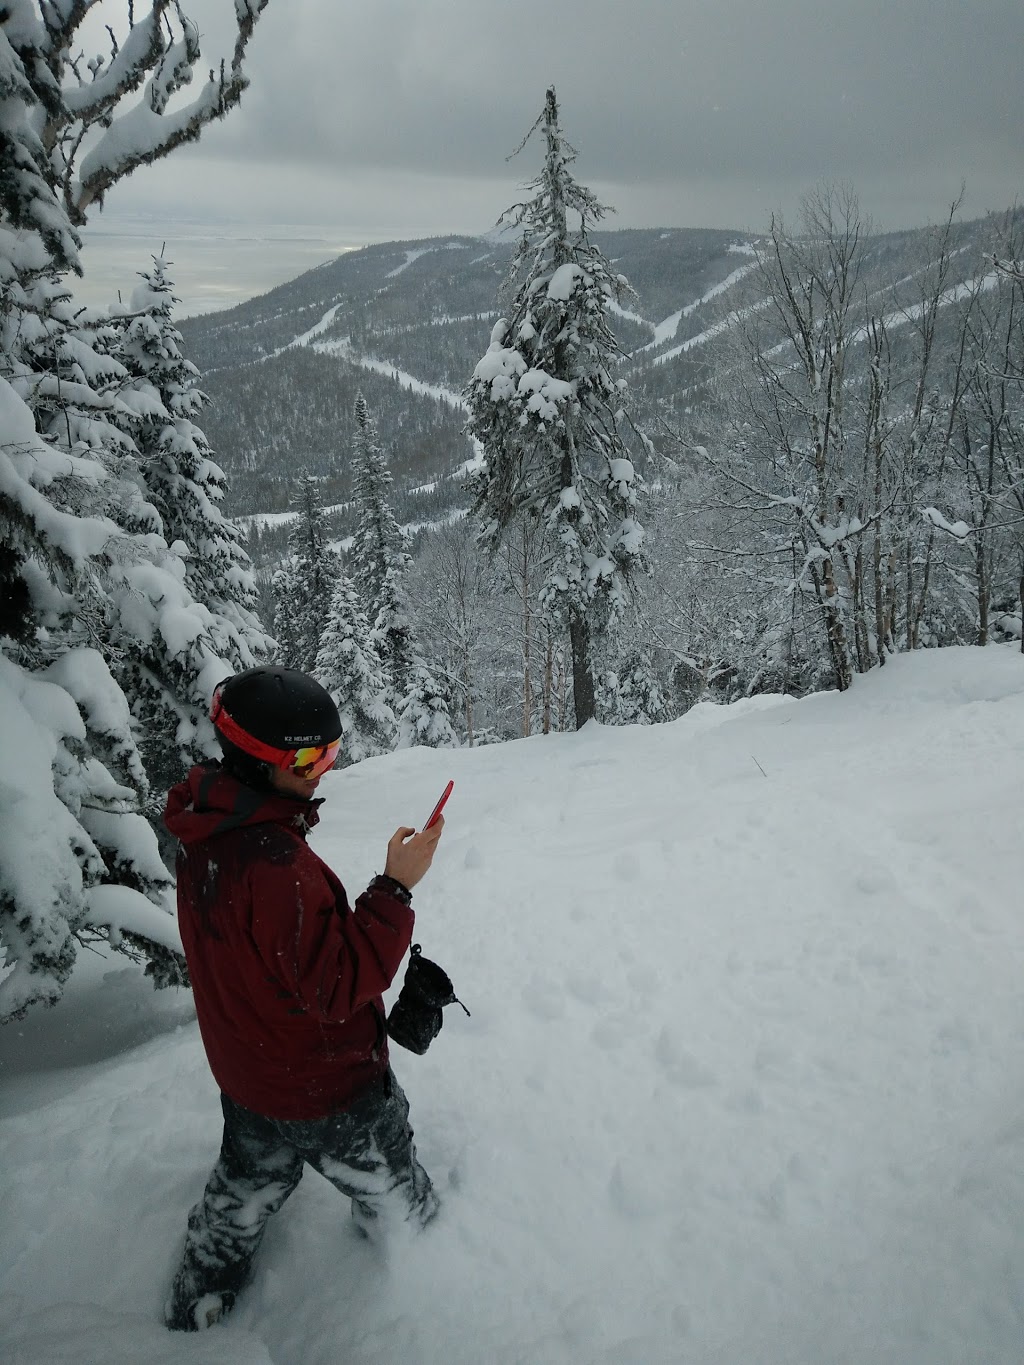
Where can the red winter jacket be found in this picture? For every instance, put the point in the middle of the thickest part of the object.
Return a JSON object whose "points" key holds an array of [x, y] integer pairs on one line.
{"points": [[287, 977]]}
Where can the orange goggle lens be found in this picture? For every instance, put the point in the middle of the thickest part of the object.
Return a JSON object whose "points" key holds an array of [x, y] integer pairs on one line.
{"points": [[315, 760]]}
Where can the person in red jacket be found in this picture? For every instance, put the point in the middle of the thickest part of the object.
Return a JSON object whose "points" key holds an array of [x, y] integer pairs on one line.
{"points": [[287, 979]]}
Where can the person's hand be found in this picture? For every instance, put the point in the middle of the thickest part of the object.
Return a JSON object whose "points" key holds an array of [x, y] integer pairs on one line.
{"points": [[410, 854]]}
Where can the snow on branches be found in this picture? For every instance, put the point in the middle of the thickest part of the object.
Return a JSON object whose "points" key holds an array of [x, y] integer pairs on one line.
{"points": [[126, 595], [160, 50], [548, 413]]}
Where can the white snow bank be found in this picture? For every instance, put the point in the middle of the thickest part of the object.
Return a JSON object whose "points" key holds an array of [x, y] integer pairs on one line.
{"points": [[740, 1082]]}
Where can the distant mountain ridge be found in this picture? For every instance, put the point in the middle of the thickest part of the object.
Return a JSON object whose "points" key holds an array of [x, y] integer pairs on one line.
{"points": [[406, 322]]}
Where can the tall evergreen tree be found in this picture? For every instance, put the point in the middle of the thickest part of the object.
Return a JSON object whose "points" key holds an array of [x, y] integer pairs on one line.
{"points": [[84, 568], [548, 413], [378, 547], [378, 563], [378, 558], [169, 679], [182, 479], [286, 590], [424, 712], [347, 664], [304, 587]]}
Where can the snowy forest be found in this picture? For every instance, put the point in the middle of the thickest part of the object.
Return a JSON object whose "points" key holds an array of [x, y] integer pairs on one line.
{"points": [[504, 502]]}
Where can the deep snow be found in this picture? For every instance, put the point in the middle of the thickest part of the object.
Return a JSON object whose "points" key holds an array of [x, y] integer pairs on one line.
{"points": [[743, 1081]]}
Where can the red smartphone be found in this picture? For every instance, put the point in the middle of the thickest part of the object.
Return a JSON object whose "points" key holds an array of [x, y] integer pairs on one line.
{"points": [[435, 813]]}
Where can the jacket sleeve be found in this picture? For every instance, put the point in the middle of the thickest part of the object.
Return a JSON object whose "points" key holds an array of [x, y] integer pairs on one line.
{"points": [[331, 958]]}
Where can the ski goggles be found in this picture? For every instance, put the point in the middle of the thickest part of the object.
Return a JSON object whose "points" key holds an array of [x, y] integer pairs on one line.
{"points": [[315, 760], [308, 761]]}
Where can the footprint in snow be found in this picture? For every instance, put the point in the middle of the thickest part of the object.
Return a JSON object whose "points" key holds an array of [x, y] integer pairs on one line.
{"points": [[591, 990], [611, 1033], [626, 867], [634, 1190], [681, 1066], [544, 999]]}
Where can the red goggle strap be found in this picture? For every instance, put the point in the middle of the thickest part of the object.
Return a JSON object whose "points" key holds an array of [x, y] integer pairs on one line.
{"points": [[230, 729]]}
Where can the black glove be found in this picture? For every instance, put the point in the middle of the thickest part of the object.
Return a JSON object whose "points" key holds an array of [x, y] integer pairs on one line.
{"points": [[416, 1018]]}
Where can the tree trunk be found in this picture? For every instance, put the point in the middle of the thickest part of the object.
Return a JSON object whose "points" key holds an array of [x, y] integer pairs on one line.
{"points": [[881, 633], [562, 691], [548, 685], [981, 566], [582, 678], [839, 653], [862, 636], [527, 687], [467, 666]]}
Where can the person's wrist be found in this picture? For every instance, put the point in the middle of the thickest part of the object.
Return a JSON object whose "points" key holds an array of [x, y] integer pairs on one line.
{"points": [[393, 886]]}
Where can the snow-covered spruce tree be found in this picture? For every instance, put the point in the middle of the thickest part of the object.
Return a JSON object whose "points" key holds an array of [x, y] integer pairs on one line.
{"points": [[286, 590], [378, 561], [77, 859], [348, 666], [182, 479], [378, 546], [424, 712], [630, 693], [548, 413], [304, 587], [168, 688], [421, 703]]}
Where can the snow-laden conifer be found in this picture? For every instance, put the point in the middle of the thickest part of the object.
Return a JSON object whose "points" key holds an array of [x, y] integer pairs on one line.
{"points": [[167, 675], [378, 559], [378, 548], [420, 703], [183, 480], [548, 412], [304, 587], [394, 636], [378, 562], [84, 568], [630, 693], [424, 713], [347, 664], [286, 590]]}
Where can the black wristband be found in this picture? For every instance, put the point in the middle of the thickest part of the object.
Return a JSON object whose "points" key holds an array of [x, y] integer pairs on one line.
{"points": [[393, 887]]}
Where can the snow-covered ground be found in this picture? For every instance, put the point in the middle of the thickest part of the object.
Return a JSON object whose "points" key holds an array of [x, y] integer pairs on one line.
{"points": [[743, 1082]]}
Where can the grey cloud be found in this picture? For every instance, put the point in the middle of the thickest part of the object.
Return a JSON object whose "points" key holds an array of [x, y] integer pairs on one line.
{"points": [[706, 97]]}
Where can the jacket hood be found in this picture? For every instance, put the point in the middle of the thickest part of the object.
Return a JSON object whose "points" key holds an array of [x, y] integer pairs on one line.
{"points": [[211, 801]]}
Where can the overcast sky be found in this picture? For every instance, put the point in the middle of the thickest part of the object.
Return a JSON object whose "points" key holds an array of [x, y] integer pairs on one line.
{"points": [[392, 119]]}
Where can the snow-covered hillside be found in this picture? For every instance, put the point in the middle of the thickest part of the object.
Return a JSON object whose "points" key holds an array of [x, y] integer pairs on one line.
{"points": [[743, 1082]]}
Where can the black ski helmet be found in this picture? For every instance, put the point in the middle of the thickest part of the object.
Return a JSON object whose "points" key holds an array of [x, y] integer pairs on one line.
{"points": [[266, 714]]}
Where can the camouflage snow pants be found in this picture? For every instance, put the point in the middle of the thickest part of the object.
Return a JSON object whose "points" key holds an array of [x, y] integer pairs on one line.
{"points": [[365, 1151]]}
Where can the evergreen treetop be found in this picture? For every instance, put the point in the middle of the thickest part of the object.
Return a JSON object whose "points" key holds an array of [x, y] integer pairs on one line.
{"points": [[378, 546], [304, 587], [347, 664], [548, 412]]}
